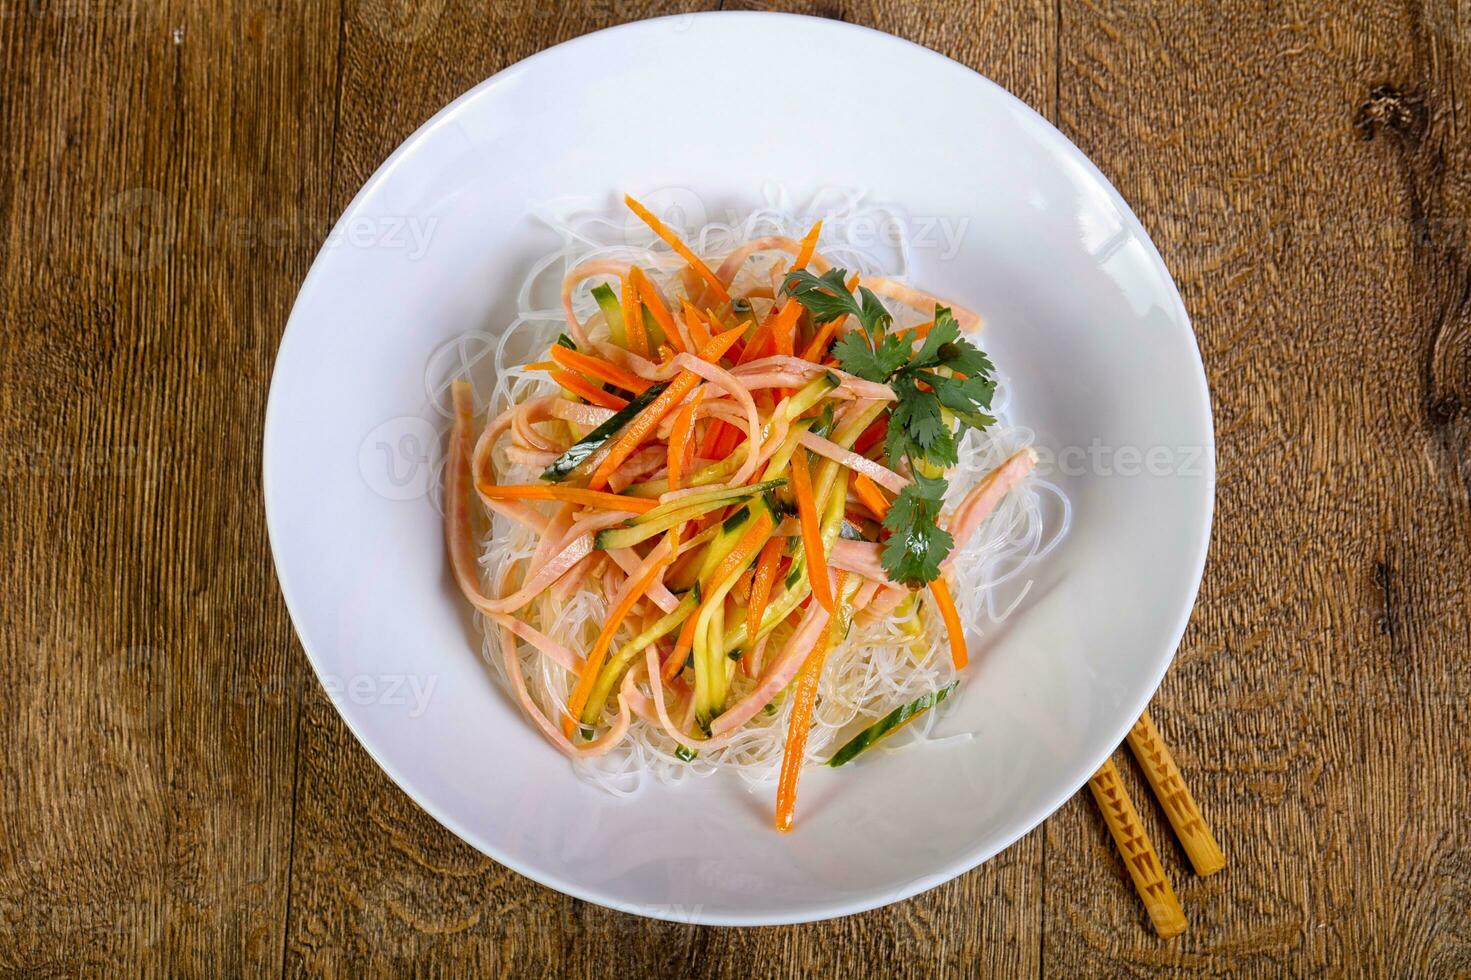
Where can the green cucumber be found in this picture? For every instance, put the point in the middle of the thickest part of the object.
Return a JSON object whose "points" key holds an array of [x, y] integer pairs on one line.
{"points": [[613, 670], [565, 341], [631, 533], [612, 312], [889, 724], [719, 495], [580, 450]]}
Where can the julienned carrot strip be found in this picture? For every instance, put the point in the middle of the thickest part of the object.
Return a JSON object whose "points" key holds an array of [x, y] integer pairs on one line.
{"points": [[941, 592], [811, 531], [804, 696], [633, 318], [872, 497], [599, 652], [872, 435], [540, 366], [699, 333], [808, 246], [570, 495], [680, 248], [679, 438], [586, 391], [745, 549], [682, 647], [820, 340], [761, 584], [597, 367], [646, 421], [917, 332], [655, 303]]}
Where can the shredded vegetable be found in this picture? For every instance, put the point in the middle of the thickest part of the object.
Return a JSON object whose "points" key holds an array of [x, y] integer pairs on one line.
{"points": [[697, 503]]}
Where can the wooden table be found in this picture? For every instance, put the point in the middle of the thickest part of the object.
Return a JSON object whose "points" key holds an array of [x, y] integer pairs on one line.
{"points": [[180, 795]]}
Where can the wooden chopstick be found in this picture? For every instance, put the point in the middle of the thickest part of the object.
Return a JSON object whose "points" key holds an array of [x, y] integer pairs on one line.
{"points": [[1169, 788], [1138, 853]]}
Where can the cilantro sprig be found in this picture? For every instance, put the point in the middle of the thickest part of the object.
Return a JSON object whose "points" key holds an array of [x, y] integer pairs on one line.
{"points": [[946, 374]]}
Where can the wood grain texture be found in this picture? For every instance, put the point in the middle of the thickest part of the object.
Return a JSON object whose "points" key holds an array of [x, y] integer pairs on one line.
{"points": [[179, 795]]}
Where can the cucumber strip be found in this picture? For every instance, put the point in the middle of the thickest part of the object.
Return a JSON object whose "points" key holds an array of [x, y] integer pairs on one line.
{"points": [[565, 341], [627, 535], [579, 451], [613, 670], [889, 724], [719, 495], [612, 312], [653, 330]]}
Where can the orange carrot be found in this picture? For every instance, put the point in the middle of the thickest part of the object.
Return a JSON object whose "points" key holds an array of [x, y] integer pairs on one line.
{"points": [[811, 531], [871, 495], [570, 495], [541, 366], [804, 696], [941, 592], [655, 303], [761, 585], [646, 421], [633, 317], [699, 333], [820, 340], [586, 391], [808, 246], [680, 248], [917, 332], [599, 368], [872, 435], [682, 648], [679, 438], [741, 555], [599, 652]]}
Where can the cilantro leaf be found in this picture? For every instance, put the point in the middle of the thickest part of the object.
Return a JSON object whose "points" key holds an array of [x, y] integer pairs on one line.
{"points": [[944, 331], [826, 297], [917, 543], [856, 356], [916, 427]]}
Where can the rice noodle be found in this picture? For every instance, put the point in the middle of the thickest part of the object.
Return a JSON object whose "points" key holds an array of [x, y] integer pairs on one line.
{"points": [[897, 650]]}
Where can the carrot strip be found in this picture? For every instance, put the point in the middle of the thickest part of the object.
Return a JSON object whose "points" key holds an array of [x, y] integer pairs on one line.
{"points": [[761, 585], [679, 438], [599, 368], [599, 652], [811, 531], [655, 303], [699, 332], [820, 340], [682, 647], [571, 495], [540, 366], [680, 248], [872, 497], [745, 549], [941, 592], [872, 435], [646, 421], [808, 246], [804, 697], [586, 391], [633, 317]]}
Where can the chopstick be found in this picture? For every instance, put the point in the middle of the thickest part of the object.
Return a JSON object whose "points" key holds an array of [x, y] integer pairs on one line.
{"points": [[1138, 853], [1169, 788]]}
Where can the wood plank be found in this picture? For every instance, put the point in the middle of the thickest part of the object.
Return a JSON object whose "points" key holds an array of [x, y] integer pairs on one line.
{"points": [[1319, 704], [152, 153], [376, 883]]}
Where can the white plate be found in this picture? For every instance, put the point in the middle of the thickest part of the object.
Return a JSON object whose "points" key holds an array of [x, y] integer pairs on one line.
{"points": [[1080, 312]]}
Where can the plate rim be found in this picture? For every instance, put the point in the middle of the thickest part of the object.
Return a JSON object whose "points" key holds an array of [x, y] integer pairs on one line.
{"points": [[836, 908]]}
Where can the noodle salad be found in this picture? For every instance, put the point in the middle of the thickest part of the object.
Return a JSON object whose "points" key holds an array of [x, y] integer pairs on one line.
{"points": [[720, 520]]}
